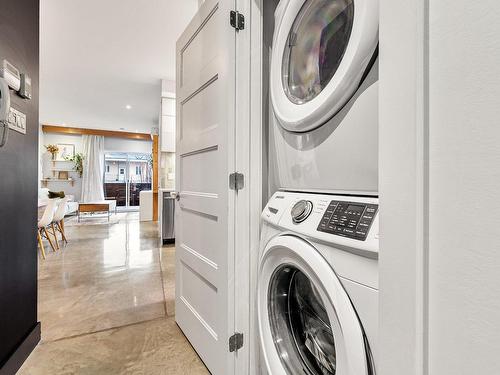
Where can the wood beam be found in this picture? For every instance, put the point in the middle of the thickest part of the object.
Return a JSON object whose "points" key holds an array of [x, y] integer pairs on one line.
{"points": [[156, 182], [106, 133]]}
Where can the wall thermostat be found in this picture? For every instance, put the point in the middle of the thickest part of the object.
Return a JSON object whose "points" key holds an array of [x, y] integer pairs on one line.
{"points": [[25, 90], [11, 74]]}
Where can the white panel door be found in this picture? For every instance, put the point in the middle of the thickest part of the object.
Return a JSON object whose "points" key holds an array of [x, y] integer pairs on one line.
{"points": [[205, 157]]}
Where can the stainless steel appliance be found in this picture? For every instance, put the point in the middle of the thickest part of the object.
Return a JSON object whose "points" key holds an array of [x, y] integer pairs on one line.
{"points": [[167, 219]]}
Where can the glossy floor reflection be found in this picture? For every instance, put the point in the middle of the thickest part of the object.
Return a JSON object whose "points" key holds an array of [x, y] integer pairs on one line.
{"points": [[106, 303]]}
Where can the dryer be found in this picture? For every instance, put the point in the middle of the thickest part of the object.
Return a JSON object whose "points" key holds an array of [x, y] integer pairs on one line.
{"points": [[318, 285], [324, 96]]}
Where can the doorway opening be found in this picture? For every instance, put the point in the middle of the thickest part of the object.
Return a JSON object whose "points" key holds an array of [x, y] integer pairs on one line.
{"points": [[126, 174]]}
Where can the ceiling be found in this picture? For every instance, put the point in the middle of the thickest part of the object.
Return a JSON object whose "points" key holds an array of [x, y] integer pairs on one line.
{"points": [[99, 56]]}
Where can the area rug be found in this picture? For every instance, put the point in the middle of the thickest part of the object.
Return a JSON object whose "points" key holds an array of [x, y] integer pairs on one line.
{"points": [[96, 219]]}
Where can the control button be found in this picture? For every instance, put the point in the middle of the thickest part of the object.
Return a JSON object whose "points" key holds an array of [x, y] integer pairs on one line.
{"points": [[363, 225], [349, 231], [301, 211], [323, 223], [367, 217]]}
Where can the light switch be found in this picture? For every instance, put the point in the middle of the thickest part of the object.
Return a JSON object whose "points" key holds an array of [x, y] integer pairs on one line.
{"points": [[17, 121]]}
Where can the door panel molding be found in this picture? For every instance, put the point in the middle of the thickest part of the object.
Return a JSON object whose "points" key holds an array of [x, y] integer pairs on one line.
{"points": [[206, 82]]}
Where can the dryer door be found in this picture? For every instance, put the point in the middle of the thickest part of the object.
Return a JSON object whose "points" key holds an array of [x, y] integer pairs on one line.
{"points": [[320, 53], [307, 322]]}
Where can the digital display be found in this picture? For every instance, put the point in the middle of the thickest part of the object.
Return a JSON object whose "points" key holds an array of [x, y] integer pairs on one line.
{"points": [[353, 208], [348, 219]]}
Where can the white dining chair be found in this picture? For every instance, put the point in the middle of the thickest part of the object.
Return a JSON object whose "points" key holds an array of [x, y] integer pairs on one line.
{"points": [[44, 222], [58, 219]]}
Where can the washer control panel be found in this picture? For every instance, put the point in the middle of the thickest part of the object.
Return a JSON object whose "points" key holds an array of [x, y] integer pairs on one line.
{"points": [[348, 219]]}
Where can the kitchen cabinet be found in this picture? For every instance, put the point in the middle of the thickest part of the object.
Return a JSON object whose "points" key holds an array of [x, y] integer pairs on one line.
{"points": [[167, 126]]}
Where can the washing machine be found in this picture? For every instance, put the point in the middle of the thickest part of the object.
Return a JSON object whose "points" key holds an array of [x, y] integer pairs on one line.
{"points": [[323, 79], [317, 298]]}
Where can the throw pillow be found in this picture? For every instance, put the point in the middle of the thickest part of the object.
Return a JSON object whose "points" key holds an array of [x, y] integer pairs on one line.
{"points": [[56, 194]]}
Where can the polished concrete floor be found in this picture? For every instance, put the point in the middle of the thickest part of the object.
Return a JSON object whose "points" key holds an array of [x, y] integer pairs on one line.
{"points": [[106, 303]]}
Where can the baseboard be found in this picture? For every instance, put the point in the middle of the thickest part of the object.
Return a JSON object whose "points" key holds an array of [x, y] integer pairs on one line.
{"points": [[22, 352]]}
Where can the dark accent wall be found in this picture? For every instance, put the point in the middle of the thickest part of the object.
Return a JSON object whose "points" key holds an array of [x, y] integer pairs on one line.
{"points": [[19, 44]]}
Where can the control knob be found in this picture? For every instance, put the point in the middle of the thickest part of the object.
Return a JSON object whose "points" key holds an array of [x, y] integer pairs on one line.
{"points": [[301, 211]]}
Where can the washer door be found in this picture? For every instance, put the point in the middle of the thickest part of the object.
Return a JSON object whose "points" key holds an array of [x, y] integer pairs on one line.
{"points": [[321, 51], [307, 322]]}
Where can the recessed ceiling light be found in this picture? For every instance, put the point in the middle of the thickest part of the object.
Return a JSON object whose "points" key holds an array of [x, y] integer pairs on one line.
{"points": [[122, 128], [128, 106]]}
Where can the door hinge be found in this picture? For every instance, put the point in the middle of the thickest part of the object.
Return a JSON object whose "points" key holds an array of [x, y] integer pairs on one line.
{"points": [[237, 20], [236, 181], [235, 342]]}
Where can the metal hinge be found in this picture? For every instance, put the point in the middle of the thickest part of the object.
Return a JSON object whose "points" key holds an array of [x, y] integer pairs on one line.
{"points": [[236, 181], [237, 20], [235, 342]]}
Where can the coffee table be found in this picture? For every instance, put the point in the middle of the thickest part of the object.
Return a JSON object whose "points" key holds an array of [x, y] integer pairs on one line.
{"points": [[95, 207]]}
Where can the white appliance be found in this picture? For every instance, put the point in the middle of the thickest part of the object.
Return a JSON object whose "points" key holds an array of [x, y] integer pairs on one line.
{"points": [[324, 96], [318, 285], [146, 205]]}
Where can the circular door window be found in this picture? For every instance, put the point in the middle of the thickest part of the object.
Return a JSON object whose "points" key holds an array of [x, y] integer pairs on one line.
{"points": [[307, 323], [298, 316], [321, 50], [316, 44]]}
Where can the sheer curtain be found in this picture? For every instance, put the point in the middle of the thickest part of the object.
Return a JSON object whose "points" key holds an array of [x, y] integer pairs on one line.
{"points": [[93, 168]]}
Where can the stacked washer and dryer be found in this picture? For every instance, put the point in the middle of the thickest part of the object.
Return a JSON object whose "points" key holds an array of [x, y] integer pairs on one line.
{"points": [[317, 291]]}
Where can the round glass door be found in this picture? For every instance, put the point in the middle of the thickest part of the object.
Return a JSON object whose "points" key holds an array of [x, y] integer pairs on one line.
{"points": [[299, 321], [321, 52], [316, 44]]}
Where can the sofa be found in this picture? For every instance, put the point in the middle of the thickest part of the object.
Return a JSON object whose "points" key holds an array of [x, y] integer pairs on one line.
{"points": [[71, 205]]}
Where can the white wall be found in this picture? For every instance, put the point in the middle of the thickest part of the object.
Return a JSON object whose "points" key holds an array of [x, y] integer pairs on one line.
{"points": [[53, 138], [127, 145], [440, 178], [464, 187]]}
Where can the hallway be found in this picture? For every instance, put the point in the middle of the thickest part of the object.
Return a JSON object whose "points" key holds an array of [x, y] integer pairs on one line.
{"points": [[106, 303]]}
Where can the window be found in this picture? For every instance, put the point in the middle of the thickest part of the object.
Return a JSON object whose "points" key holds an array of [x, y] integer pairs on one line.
{"points": [[137, 170], [107, 168], [122, 170]]}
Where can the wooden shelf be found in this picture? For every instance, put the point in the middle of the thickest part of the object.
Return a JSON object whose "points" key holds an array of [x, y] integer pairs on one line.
{"points": [[45, 181]]}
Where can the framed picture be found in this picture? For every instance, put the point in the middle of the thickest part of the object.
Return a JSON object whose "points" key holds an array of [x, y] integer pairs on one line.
{"points": [[65, 151], [63, 175]]}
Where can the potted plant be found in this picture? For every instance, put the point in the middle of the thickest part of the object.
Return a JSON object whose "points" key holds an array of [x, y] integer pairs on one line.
{"points": [[53, 149], [77, 159]]}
